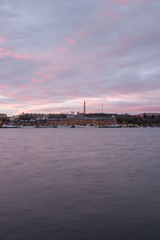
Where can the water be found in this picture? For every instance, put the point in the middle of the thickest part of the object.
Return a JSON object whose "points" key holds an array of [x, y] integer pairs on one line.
{"points": [[80, 184]]}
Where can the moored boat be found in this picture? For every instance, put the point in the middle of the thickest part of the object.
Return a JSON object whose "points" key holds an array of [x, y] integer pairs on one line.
{"points": [[113, 126], [8, 126]]}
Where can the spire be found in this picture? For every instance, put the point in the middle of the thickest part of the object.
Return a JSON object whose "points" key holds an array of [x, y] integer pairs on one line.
{"points": [[84, 108]]}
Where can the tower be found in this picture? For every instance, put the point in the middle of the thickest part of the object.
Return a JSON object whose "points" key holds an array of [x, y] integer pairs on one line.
{"points": [[84, 108]]}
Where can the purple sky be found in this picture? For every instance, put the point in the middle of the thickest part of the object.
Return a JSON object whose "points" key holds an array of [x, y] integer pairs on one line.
{"points": [[54, 54]]}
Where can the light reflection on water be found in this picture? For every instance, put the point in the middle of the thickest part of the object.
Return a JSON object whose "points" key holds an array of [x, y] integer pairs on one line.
{"points": [[79, 184]]}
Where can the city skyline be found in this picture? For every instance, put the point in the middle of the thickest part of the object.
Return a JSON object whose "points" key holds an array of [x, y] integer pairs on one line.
{"points": [[54, 55]]}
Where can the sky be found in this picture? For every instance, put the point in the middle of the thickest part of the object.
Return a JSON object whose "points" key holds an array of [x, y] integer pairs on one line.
{"points": [[54, 54]]}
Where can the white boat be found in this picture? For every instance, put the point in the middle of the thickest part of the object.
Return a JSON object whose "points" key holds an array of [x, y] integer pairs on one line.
{"points": [[29, 126], [113, 126]]}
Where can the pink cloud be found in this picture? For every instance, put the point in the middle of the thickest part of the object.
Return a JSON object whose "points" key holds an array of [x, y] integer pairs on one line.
{"points": [[43, 77], [8, 53], [2, 39], [20, 56], [35, 80], [63, 49], [46, 75], [4, 52], [138, 109], [82, 33], [9, 94], [72, 41], [130, 2], [4, 86]]}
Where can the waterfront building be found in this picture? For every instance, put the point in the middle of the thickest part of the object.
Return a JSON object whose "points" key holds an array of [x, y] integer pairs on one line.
{"points": [[82, 120], [2, 115]]}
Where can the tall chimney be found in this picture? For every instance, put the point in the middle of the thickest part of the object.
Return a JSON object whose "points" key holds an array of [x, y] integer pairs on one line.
{"points": [[84, 108]]}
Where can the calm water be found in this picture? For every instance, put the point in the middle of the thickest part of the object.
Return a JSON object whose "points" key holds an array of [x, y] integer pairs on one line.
{"points": [[80, 184]]}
